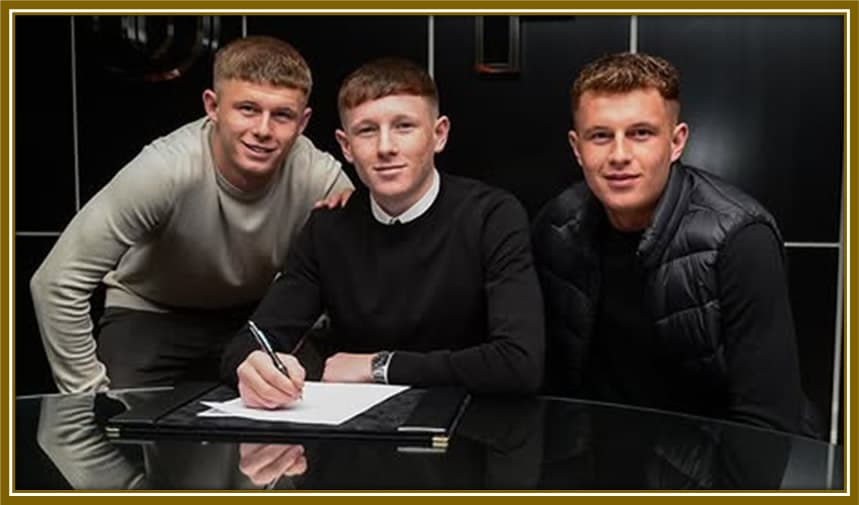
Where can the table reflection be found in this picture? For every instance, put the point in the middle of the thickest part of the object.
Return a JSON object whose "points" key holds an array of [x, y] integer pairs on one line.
{"points": [[500, 444]]}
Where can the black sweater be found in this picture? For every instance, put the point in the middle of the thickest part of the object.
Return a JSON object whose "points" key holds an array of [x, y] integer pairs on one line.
{"points": [[454, 292]]}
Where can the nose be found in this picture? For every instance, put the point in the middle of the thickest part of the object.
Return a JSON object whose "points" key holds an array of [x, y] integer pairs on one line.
{"points": [[620, 153], [262, 127], [387, 143]]}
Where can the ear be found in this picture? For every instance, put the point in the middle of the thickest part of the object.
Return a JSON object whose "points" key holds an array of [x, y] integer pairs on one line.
{"points": [[305, 119], [678, 140], [343, 140], [210, 103], [440, 131], [573, 139]]}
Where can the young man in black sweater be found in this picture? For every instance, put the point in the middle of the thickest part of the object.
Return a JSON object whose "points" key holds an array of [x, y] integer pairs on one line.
{"points": [[427, 278]]}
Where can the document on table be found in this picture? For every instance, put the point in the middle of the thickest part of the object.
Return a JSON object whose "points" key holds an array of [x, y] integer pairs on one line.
{"points": [[322, 403]]}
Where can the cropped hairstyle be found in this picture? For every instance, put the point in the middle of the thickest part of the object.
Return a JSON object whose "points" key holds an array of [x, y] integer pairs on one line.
{"points": [[263, 60], [625, 72], [385, 77]]}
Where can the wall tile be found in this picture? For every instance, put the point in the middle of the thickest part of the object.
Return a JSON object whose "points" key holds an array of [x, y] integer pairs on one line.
{"points": [[44, 141], [812, 275], [511, 131], [119, 111], [763, 98]]}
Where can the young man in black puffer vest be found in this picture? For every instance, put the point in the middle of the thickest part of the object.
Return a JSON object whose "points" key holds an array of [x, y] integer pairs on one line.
{"points": [[664, 286]]}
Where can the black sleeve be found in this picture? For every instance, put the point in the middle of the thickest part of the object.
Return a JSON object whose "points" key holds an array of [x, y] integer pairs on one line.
{"points": [[289, 309], [511, 359], [761, 354]]}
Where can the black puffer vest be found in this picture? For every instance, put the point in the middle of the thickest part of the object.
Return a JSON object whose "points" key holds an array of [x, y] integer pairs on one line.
{"points": [[679, 252]]}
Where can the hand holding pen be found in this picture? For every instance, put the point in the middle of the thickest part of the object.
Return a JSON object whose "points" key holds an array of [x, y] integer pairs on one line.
{"points": [[268, 379], [263, 342]]}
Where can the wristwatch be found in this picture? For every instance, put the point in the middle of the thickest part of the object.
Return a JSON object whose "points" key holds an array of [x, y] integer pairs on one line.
{"points": [[379, 366]]}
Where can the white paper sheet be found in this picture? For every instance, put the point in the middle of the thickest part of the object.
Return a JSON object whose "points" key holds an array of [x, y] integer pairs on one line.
{"points": [[323, 403]]}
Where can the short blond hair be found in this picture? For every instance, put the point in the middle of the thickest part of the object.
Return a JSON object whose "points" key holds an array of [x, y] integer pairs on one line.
{"points": [[263, 60], [625, 72]]}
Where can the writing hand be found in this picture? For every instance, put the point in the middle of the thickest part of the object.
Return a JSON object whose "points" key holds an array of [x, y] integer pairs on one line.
{"points": [[261, 385]]}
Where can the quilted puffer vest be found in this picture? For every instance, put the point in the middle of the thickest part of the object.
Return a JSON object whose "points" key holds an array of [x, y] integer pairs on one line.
{"points": [[695, 216]]}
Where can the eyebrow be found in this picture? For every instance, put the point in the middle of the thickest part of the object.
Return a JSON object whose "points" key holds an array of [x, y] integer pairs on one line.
{"points": [[644, 124], [361, 124], [594, 129], [640, 124], [284, 108]]}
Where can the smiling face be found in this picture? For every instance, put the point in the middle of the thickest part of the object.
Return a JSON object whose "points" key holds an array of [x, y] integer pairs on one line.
{"points": [[625, 144], [392, 142], [255, 126]]}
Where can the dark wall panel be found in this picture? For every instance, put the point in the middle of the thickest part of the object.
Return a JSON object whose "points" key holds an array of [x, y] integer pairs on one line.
{"points": [[764, 100], [812, 276], [120, 110], [334, 46], [44, 140], [512, 131], [32, 372]]}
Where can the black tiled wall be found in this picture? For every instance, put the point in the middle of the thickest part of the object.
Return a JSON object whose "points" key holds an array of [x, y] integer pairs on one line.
{"points": [[763, 97], [511, 131], [44, 139], [812, 276]]}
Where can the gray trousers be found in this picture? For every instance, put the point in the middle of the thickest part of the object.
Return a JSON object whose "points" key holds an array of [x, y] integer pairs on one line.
{"points": [[141, 348]]}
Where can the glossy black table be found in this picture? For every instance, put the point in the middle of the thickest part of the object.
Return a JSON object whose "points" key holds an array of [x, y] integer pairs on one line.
{"points": [[500, 444]]}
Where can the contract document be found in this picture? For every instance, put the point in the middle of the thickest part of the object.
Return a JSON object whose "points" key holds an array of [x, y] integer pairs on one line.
{"points": [[322, 403]]}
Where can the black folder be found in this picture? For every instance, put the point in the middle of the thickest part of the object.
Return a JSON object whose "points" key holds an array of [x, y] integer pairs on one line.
{"points": [[419, 417]]}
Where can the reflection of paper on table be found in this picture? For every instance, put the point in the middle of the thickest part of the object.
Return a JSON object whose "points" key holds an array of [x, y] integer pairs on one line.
{"points": [[323, 403]]}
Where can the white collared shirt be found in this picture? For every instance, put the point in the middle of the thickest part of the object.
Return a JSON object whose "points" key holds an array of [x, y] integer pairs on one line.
{"points": [[415, 211]]}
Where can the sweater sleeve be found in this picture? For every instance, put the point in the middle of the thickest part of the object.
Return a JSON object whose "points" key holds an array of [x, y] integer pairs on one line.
{"points": [[132, 205], [511, 358], [70, 435], [288, 310], [319, 170], [761, 353], [337, 180]]}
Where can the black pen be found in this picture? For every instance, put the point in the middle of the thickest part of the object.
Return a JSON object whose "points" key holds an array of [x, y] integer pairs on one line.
{"points": [[266, 346]]}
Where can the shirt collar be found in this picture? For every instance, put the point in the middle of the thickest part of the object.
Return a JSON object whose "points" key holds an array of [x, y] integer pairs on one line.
{"points": [[415, 211]]}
